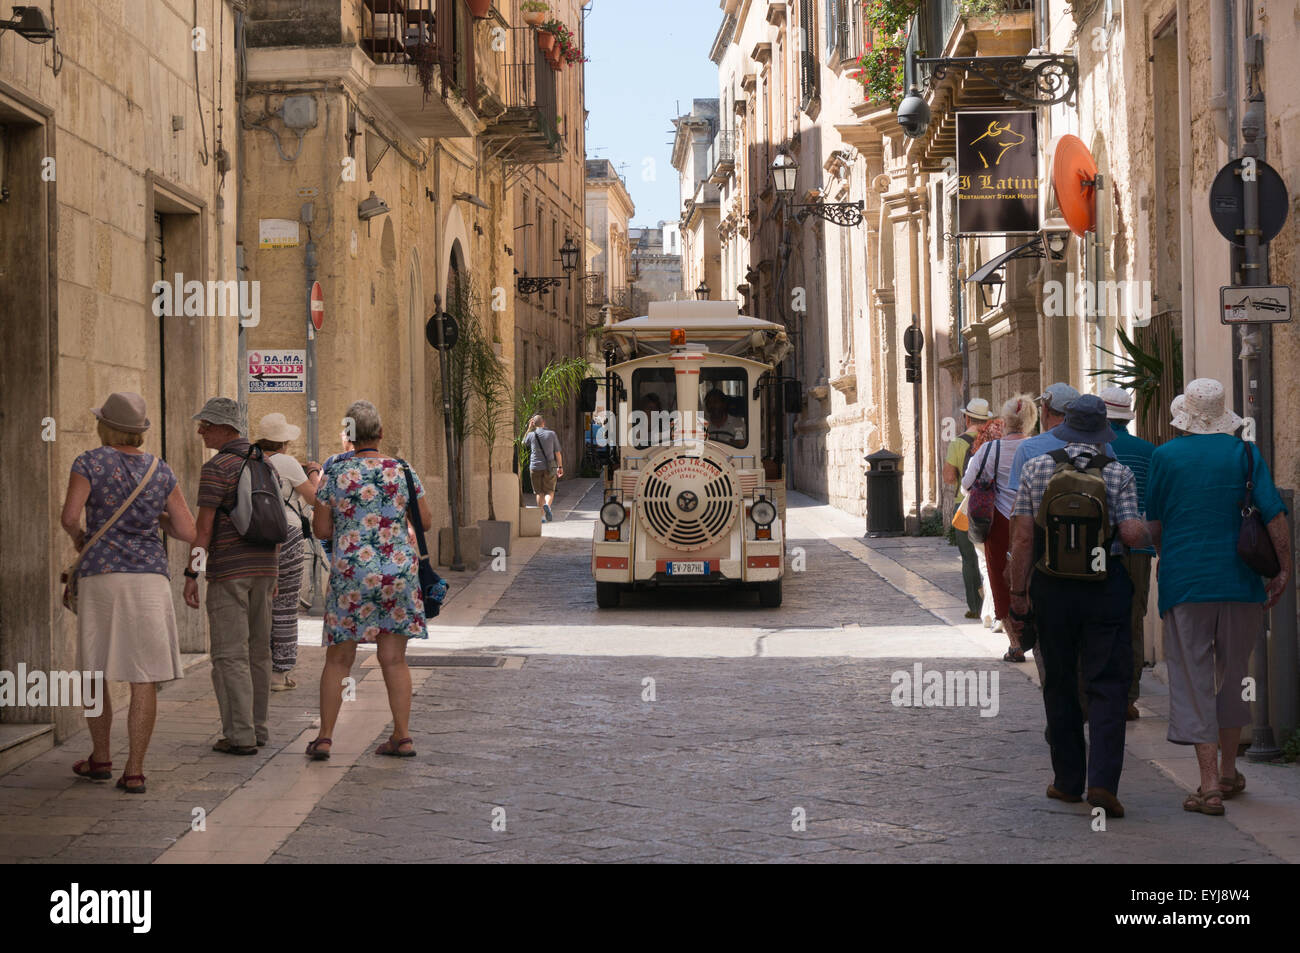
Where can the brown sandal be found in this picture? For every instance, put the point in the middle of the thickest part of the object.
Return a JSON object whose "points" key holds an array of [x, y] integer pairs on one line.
{"points": [[1208, 802], [1231, 787], [131, 789], [314, 752]]}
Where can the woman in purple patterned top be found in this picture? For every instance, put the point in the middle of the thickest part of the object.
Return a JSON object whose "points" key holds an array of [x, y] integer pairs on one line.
{"points": [[125, 615]]}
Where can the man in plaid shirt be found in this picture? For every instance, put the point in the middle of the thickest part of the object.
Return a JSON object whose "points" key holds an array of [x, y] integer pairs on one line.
{"points": [[1083, 626]]}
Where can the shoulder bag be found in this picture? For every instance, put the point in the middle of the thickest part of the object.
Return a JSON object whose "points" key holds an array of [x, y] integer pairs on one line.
{"points": [[69, 577], [1254, 545], [433, 588], [982, 499]]}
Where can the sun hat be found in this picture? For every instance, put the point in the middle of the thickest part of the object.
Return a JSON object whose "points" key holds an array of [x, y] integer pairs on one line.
{"points": [[123, 411], [1085, 422], [1179, 421], [977, 409], [276, 428], [1119, 405], [1058, 396], [1203, 408], [222, 411]]}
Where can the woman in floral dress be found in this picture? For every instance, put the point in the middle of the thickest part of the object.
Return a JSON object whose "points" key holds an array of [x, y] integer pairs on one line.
{"points": [[374, 590]]}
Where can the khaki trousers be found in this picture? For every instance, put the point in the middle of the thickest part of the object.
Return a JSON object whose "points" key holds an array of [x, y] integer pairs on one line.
{"points": [[239, 619]]}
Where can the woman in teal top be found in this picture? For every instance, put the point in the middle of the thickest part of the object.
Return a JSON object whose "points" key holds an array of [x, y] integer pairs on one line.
{"points": [[1211, 602]]}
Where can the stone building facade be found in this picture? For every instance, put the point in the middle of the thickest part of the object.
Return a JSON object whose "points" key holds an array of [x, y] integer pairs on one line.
{"points": [[113, 127], [609, 209], [693, 141], [657, 264]]}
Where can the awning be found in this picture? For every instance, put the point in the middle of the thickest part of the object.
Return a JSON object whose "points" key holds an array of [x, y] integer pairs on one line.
{"points": [[1030, 249]]}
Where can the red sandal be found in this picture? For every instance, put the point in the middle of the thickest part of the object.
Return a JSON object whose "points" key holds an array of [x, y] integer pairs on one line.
{"points": [[94, 770], [129, 789]]}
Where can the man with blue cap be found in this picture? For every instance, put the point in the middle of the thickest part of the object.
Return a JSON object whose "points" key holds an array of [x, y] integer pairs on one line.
{"points": [[1064, 562]]}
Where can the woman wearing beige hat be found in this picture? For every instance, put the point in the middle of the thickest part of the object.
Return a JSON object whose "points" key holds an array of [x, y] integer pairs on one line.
{"points": [[126, 623], [1213, 604], [298, 490]]}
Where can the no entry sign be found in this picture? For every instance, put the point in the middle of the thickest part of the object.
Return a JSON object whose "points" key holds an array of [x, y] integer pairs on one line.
{"points": [[317, 305]]}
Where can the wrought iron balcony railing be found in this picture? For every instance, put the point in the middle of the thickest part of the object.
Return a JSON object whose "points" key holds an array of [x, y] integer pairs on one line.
{"points": [[526, 123]]}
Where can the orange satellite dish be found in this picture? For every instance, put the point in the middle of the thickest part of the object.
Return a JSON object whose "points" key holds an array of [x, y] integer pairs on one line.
{"points": [[1073, 174]]}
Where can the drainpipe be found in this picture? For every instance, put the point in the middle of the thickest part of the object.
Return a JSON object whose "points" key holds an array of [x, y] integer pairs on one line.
{"points": [[1185, 196]]}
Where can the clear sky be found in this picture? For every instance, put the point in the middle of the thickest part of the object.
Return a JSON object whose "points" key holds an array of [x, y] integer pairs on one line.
{"points": [[648, 58]]}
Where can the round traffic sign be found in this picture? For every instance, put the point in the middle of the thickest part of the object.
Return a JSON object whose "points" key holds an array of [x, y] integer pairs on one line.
{"points": [[913, 340], [450, 331], [1228, 201], [317, 305]]}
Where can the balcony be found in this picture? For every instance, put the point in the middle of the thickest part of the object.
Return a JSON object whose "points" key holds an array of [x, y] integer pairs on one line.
{"points": [[524, 126], [424, 65], [722, 157], [593, 291]]}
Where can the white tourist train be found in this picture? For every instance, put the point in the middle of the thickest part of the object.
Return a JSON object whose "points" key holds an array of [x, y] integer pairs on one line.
{"points": [[694, 419]]}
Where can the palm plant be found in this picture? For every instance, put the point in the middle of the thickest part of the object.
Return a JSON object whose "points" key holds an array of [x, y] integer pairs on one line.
{"points": [[1140, 371], [490, 384], [554, 386]]}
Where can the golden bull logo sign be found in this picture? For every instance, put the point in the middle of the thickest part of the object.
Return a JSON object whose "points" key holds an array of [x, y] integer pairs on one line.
{"points": [[997, 172]]}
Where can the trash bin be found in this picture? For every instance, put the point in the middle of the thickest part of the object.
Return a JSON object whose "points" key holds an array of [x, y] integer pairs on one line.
{"points": [[884, 493]]}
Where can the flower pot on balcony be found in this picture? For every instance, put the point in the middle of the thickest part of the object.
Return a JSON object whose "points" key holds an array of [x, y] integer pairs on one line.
{"points": [[535, 17], [555, 58], [546, 41], [479, 8]]}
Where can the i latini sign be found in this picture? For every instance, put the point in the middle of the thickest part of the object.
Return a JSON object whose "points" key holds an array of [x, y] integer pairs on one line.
{"points": [[997, 172]]}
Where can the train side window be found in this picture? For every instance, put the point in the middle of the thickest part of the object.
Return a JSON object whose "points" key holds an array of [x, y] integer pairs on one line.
{"points": [[724, 399], [654, 407]]}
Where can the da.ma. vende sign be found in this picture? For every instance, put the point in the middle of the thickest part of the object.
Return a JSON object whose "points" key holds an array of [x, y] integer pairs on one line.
{"points": [[997, 172]]}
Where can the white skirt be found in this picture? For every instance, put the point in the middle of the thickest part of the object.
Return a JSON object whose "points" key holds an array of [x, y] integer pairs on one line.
{"points": [[126, 625]]}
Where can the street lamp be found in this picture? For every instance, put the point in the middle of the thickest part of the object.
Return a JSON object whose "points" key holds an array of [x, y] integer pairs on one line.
{"points": [[539, 285], [702, 291], [784, 171], [31, 23]]}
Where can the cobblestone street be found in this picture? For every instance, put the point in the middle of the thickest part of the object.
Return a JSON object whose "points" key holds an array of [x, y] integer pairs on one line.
{"points": [[771, 736]]}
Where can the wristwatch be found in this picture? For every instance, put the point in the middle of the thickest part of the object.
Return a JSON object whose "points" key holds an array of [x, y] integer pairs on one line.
{"points": [[191, 574]]}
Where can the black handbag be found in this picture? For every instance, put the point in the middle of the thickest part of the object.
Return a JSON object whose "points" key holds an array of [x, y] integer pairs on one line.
{"points": [[1254, 545], [433, 588]]}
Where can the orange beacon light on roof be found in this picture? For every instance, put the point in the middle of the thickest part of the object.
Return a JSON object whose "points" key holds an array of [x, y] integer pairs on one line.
{"points": [[677, 337]]}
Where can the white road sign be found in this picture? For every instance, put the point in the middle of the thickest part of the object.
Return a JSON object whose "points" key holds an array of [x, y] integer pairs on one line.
{"points": [[1265, 304]]}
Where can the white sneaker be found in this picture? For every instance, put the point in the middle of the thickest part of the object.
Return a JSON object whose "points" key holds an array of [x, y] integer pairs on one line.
{"points": [[997, 626]]}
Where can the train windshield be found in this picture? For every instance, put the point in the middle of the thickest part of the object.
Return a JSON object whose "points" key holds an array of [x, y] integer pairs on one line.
{"points": [[654, 407], [725, 404]]}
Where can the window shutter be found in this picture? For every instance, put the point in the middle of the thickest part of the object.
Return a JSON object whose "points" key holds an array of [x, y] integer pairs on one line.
{"points": [[832, 26]]}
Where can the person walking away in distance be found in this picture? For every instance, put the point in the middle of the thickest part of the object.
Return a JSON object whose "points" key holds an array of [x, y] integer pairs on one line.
{"points": [[126, 620], [1212, 603], [1134, 453], [241, 582], [1063, 565], [545, 463]]}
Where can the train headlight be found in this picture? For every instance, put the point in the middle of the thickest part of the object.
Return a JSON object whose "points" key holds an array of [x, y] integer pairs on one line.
{"points": [[612, 514], [763, 513]]}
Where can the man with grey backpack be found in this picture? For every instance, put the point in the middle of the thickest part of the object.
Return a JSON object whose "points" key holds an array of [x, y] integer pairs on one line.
{"points": [[241, 523], [1076, 509]]}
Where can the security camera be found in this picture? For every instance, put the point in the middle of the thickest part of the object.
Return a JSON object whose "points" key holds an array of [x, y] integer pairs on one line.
{"points": [[372, 207], [913, 114]]}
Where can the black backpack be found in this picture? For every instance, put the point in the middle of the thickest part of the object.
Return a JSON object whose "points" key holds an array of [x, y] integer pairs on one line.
{"points": [[1073, 519], [258, 513]]}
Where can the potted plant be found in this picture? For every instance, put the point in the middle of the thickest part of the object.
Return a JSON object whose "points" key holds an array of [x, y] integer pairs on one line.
{"points": [[555, 58], [479, 9], [534, 12], [891, 16], [548, 33], [489, 382], [573, 55], [880, 71]]}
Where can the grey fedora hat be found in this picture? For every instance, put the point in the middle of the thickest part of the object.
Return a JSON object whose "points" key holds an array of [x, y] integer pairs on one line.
{"points": [[222, 411], [124, 411]]}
